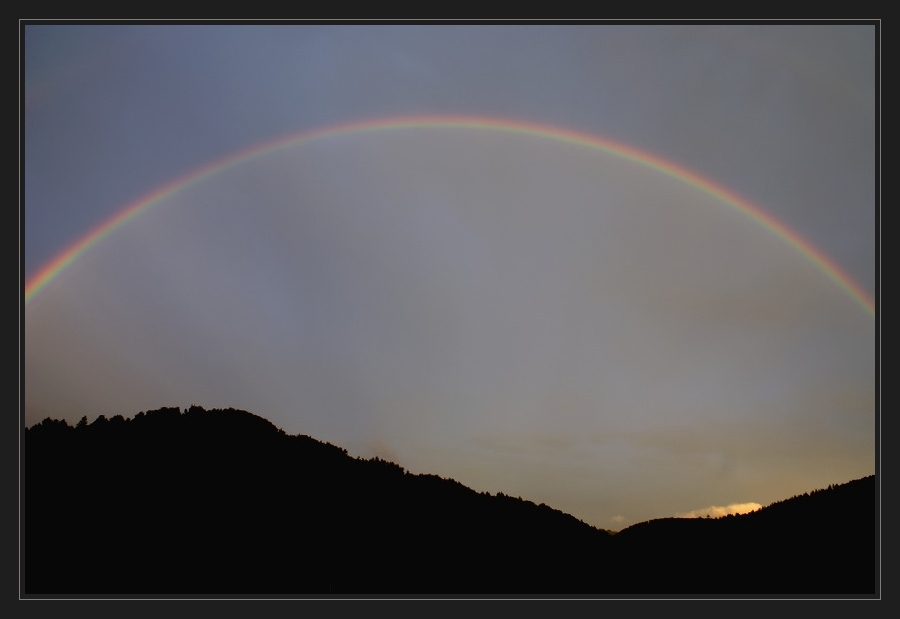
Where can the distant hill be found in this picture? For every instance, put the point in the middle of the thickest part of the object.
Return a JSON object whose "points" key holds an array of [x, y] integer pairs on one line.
{"points": [[222, 502], [825, 541]]}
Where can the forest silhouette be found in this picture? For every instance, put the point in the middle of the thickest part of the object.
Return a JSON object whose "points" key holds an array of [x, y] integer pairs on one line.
{"points": [[222, 502]]}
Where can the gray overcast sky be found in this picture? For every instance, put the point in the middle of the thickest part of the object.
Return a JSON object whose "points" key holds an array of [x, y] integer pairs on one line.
{"points": [[520, 314]]}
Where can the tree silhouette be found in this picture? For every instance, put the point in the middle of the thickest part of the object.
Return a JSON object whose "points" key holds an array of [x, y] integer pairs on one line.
{"points": [[221, 501]]}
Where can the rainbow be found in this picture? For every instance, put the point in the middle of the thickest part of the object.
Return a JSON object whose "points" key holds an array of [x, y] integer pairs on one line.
{"points": [[59, 264]]}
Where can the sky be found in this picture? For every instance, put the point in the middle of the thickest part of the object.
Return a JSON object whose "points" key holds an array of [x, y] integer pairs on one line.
{"points": [[624, 270]]}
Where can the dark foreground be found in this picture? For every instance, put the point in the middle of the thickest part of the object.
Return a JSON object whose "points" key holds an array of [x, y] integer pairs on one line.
{"points": [[222, 502]]}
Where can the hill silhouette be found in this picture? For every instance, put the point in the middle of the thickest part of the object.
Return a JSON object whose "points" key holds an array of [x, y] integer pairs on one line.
{"points": [[223, 502]]}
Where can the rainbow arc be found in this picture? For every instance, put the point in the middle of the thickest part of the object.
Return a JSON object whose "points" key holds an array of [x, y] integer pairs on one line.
{"points": [[58, 265]]}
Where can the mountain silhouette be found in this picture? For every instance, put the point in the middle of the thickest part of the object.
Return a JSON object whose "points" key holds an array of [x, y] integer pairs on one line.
{"points": [[219, 502]]}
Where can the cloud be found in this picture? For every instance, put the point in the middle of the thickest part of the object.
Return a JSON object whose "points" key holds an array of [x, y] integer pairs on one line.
{"points": [[716, 511], [618, 519]]}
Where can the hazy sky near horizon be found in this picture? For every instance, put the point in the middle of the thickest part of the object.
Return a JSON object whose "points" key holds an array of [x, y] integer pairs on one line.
{"points": [[522, 314]]}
